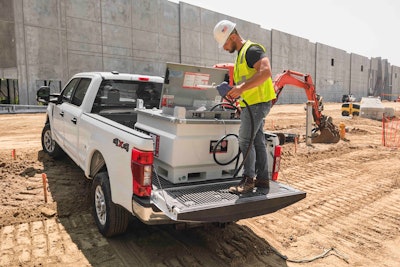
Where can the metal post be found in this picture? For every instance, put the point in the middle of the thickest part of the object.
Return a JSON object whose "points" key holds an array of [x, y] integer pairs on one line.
{"points": [[309, 120]]}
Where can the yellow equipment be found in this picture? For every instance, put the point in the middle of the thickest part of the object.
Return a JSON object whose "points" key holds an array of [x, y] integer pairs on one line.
{"points": [[350, 108]]}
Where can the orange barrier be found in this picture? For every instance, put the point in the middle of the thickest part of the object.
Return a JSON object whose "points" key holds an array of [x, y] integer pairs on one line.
{"points": [[391, 132]]}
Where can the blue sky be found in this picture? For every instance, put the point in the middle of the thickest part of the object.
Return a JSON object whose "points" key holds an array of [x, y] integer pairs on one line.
{"points": [[364, 27]]}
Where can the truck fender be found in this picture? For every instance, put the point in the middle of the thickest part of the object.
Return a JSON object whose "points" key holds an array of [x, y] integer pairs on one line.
{"points": [[97, 164]]}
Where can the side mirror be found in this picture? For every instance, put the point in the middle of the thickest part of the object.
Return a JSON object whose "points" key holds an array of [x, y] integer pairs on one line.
{"points": [[44, 96]]}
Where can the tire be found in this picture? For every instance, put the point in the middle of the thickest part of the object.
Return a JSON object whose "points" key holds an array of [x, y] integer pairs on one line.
{"points": [[111, 219], [356, 113], [345, 113], [48, 144]]}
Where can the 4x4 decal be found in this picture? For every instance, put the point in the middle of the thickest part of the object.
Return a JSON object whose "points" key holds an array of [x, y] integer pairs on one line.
{"points": [[121, 144]]}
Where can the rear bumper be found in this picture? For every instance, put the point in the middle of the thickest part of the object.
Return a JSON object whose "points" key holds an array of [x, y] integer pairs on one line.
{"points": [[148, 214]]}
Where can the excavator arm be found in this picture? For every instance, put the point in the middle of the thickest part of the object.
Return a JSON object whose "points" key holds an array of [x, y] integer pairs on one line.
{"points": [[289, 77], [328, 132]]}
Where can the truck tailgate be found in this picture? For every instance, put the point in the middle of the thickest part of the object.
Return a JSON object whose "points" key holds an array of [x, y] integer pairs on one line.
{"points": [[211, 201]]}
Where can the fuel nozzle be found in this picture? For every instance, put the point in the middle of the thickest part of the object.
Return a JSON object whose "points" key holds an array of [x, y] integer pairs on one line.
{"points": [[223, 89]]}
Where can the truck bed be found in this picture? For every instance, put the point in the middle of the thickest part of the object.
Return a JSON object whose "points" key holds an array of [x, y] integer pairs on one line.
{"points": [[210, 201]]}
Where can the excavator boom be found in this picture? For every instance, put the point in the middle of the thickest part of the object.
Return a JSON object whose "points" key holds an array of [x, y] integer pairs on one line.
{"points": [[328, 132]]}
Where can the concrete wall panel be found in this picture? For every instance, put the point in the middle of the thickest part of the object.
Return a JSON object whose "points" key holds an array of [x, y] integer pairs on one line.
{"points": [[122, 64], [42, 46], [332, 72], [83, 9], [117, 51], [83, 62], [43, 13], [291, 52], [190, 32], [116, 36], [169, 14], [84, 47], [117, 12], [6, 10], [395, 82], [190, 17], [190, 46], [9, 73], [84, 31], [145, 15], [144, 40], [169, 46], [359, 69], [148, 67], [8, 56]]}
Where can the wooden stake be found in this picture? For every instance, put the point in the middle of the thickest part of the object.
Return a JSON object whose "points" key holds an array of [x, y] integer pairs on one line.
{"points": [[44, 179]]}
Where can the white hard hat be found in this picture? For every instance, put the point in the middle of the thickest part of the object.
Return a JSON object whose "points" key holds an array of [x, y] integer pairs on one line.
{"points": [[222, 31]]}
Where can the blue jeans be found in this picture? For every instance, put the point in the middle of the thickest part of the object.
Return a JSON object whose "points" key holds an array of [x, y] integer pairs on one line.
{"points": [[256, 163]]}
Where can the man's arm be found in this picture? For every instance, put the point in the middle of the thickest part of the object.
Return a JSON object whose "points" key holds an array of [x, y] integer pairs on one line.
{"points": [[263, 69]]}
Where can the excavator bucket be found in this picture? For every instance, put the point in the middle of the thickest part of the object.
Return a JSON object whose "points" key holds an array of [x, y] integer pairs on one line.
{"points": [[328, 132]]}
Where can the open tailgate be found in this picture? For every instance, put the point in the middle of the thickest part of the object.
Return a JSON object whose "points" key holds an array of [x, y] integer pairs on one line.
{"points": [[211, 202]]}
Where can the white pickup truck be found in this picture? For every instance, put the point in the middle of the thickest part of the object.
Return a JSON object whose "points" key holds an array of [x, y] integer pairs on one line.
{"points": [[157, 148]]}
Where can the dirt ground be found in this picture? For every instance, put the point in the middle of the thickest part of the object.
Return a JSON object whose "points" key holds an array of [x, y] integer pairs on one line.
{"points": [[351, 211]]}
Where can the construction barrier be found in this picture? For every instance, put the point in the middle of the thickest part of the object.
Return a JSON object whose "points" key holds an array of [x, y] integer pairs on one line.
{"points": [[10, 108], [391, 132]]}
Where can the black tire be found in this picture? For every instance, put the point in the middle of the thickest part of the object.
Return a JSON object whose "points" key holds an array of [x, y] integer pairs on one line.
{"points": [[345, 113], [49, 145], [111, 219], [355, 113]]}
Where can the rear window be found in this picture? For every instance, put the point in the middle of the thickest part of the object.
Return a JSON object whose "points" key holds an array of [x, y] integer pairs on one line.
{"points": [[124, 94]]}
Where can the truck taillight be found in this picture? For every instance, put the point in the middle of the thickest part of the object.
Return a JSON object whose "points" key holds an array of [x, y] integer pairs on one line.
{"points": [[277, 163], [141, 165]]}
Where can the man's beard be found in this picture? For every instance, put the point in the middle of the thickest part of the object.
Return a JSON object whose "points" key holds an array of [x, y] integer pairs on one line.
{"points": [[233, 48]]}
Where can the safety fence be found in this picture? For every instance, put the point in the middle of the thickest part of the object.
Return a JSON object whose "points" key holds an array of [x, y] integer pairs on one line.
{"points": [[391, 132], [7, 108]]}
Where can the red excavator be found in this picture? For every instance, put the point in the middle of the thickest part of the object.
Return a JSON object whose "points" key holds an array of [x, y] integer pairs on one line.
{"points": [[325, 131]]}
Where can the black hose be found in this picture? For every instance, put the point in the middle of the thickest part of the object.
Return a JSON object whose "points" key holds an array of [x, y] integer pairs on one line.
{"points": [[215, 150], [237, 169]]}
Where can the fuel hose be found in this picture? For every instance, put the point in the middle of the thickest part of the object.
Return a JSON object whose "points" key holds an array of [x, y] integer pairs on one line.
{"points": [[246, 154]]}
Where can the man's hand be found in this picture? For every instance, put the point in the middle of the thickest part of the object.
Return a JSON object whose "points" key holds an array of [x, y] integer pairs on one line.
{"points": [[235, 92]]}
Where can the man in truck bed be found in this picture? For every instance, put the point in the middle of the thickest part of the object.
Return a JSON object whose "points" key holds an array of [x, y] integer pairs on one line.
{"points": [[252, 76]]}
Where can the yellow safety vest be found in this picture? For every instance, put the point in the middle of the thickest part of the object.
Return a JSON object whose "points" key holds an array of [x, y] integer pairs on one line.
{"points": [[262, 93]]}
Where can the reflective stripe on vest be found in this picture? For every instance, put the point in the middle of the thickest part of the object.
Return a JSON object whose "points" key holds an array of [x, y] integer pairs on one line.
{"points": [[262, 93]]}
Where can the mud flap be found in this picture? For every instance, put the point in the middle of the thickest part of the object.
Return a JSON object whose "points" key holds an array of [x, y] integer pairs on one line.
{"points": [[213, 203]]}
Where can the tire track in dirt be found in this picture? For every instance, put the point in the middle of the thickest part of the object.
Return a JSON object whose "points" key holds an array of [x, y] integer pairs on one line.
{"points": [[344, 205]]}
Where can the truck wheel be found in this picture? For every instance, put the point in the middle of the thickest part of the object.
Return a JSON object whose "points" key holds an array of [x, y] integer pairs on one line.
{"points": [[48, 144], [111, 219]]}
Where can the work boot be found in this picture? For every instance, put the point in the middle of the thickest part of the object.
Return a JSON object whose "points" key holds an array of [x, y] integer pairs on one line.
{"points": [[245, 185], [262, 183]]}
